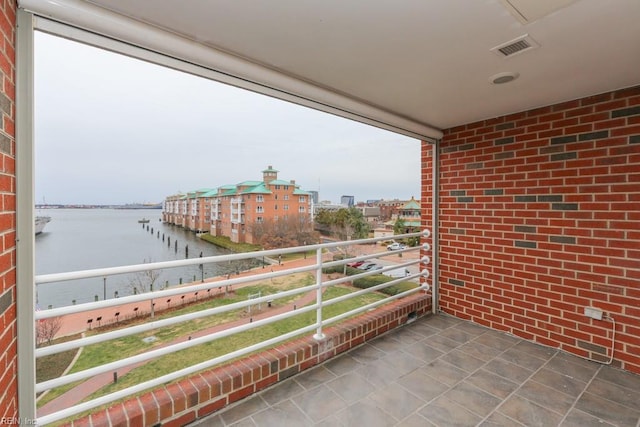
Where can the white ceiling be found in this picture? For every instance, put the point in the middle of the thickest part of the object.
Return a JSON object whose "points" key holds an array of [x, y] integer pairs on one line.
{"points": [[426, 60]]}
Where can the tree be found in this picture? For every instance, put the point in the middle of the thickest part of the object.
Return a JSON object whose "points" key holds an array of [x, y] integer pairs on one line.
{"points": [[46, 330], [143, 281], [283, 232], [344, 223], [399, 227]]}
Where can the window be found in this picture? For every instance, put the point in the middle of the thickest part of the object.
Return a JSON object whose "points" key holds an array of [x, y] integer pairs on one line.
{"points": [[259, 209], [285, 207], [302, 199], [259, 198], [301, 209], [259, 219], [286, 197]]}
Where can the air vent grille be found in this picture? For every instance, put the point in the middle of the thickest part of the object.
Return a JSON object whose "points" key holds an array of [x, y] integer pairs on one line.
{"points": [[513, 47]]}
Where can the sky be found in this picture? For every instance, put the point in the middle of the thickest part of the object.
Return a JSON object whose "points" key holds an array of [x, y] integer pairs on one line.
{"points": [[110, 129]]}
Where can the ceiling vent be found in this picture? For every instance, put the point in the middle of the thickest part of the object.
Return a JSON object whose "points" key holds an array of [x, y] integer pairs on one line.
{"points": [[515, 47]]}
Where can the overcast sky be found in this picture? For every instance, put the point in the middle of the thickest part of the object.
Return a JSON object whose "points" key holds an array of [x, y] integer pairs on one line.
{"points": [[115, 130]]}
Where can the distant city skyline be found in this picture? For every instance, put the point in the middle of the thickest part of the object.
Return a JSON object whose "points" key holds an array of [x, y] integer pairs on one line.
{"points": [[114, 130]]}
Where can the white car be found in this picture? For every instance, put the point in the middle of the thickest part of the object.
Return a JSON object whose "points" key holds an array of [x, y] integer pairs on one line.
{"points": [[395, 246]]}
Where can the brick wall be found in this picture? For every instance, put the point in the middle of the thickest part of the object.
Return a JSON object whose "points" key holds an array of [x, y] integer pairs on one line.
{"points": [[540, 217], [200, 395], [8, 331]]}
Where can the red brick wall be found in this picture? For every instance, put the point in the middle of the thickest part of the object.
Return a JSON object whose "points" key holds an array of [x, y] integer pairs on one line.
{"points": [[540, 217], [8, 331]]}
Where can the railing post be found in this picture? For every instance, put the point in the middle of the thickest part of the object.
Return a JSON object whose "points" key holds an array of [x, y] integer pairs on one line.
{"points": [[319, 335]]}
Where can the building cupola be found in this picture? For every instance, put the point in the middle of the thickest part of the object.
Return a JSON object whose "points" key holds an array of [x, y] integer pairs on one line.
{"points": [[269, 174]]}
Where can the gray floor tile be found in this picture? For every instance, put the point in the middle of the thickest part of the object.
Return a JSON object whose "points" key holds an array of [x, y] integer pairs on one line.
{"points": [[471, 328], [342, 364], [508, 370], [479, 351], [572, 366], [423, 352], [381, 372], [529, 413], [616, 393], [396, 401], [473, 399], [522, 359], [282, 414], [423, 386], [619, 377], [407, 337], [536, 350], [351, 387], [415, 420], [457, 335], [444, 372], [315, 377], [464, 361], [243, 409], [423, 329], [545, 396], [387, 343], [560, 382], [285, 390], [496, 340], [443, 322], [364, 413], [499, 420], [366, 353], [492, 383], [319, 403], [442, 343], [609, 411], [577, 418], [446, 413]]}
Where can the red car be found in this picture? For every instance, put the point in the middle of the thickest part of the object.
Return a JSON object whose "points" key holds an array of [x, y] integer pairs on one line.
{"points": [[355, 264]]}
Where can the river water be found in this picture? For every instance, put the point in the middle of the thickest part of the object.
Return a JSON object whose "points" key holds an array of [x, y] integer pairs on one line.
{"points": [[81, 239]]}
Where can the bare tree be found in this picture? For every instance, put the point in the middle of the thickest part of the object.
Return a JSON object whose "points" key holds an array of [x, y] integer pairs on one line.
{"points": [[46, 330], [144, 281]]}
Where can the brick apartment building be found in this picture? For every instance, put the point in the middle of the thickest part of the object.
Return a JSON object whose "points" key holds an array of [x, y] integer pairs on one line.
{"points": [[232, 210]]}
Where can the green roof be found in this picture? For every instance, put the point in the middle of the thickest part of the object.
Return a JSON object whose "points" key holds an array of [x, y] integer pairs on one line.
{"points": [[411, 205], [257, 189], [249, 183], [299, 192]]}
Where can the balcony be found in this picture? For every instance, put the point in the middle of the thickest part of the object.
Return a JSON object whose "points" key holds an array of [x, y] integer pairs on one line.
{"points": [[387, 362], [325, 328]]}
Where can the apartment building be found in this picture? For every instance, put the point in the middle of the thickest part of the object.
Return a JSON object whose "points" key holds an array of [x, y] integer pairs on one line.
{"points": [[233, 210]]}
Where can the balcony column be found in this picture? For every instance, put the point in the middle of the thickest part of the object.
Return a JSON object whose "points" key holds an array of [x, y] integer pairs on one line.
{"points": [[319, 335]]}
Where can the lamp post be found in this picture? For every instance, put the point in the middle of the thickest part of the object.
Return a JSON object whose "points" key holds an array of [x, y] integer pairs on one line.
{"points": [[104, 288]]}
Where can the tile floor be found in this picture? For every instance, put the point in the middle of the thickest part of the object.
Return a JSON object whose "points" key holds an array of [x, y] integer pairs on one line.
{"points": [[442, 371]]}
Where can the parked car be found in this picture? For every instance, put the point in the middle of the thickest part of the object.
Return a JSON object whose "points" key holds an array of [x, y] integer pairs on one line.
{"points": [[367, 266], [355, 264], [395, 246]]}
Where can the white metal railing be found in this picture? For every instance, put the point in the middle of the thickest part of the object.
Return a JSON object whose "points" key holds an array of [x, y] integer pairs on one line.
{"points": [[315, 266]]}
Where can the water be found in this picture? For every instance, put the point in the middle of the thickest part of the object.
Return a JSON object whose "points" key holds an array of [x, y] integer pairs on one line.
{"points": [[81, 239]]}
